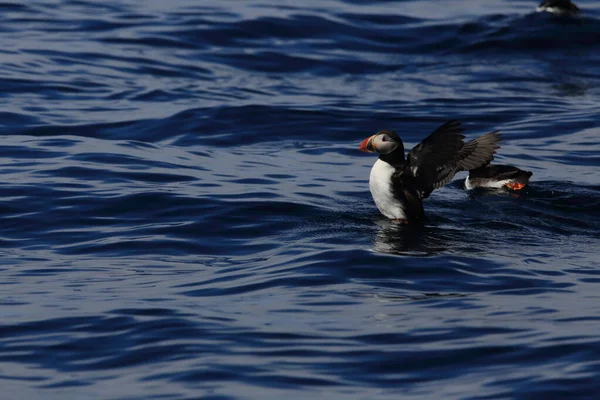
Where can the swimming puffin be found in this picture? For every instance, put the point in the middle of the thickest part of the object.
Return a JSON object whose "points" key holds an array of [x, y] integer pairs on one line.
{"points": [[558, 7], [497, 177], [399, 184]]}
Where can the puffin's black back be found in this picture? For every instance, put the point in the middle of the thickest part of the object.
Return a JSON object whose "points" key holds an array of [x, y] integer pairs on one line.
{"points": [[500, 173], [492, 171]]}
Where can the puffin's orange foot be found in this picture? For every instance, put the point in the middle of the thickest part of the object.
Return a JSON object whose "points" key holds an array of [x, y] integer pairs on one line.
{"points": [[400, 221], [515, 186]]}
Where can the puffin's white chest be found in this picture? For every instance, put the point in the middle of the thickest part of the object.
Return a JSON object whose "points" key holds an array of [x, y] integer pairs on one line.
{"points": [[380, 184]]}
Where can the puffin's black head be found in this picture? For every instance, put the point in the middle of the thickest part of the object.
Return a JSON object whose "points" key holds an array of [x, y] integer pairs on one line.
{"points": [[383, 142]]}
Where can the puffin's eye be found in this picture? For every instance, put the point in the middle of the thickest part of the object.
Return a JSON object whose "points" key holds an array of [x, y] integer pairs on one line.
{"points": [[384, 139]]}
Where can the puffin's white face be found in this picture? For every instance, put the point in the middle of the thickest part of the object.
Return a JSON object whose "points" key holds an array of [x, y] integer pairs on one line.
{"points": [[383, 142]]}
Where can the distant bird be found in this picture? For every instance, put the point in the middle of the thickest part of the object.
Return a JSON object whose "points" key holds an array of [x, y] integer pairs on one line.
{"points": [[497, 177], [399, 184], [558, 7]]}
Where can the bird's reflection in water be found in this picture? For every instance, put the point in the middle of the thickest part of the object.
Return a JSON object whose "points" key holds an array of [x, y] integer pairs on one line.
{"points": [[459, 227], [413, 239]]}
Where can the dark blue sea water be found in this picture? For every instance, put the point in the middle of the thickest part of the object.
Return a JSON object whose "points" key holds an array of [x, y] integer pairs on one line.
{"points": [[185, 214]]}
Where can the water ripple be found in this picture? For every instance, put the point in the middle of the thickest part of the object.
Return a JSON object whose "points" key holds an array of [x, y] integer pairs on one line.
{"points": [[185, 213]]}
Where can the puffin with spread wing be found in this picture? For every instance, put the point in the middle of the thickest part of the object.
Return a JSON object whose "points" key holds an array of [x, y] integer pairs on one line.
{"points": [[398, 184]]}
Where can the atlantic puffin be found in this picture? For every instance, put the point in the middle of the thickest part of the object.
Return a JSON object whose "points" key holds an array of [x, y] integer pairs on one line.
{"points": [[497, 177], [558, 7], [399, 184]]}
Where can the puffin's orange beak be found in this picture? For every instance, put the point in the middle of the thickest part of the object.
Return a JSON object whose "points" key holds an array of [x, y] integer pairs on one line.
{"points": [[515, 186], [368, 145]]}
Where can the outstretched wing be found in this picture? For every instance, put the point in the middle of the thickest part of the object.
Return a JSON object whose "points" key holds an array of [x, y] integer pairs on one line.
{"points": [[478, 152], [474, 154], [439, 148], [432, 162], [435, 161]]}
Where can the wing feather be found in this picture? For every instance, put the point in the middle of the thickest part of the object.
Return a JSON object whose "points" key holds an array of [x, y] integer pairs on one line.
{"points": [[434, 162], [478, 152], [439, 148]]}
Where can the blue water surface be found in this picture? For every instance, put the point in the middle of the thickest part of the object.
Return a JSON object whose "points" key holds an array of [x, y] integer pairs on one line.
{"points": [[185, 214]]}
